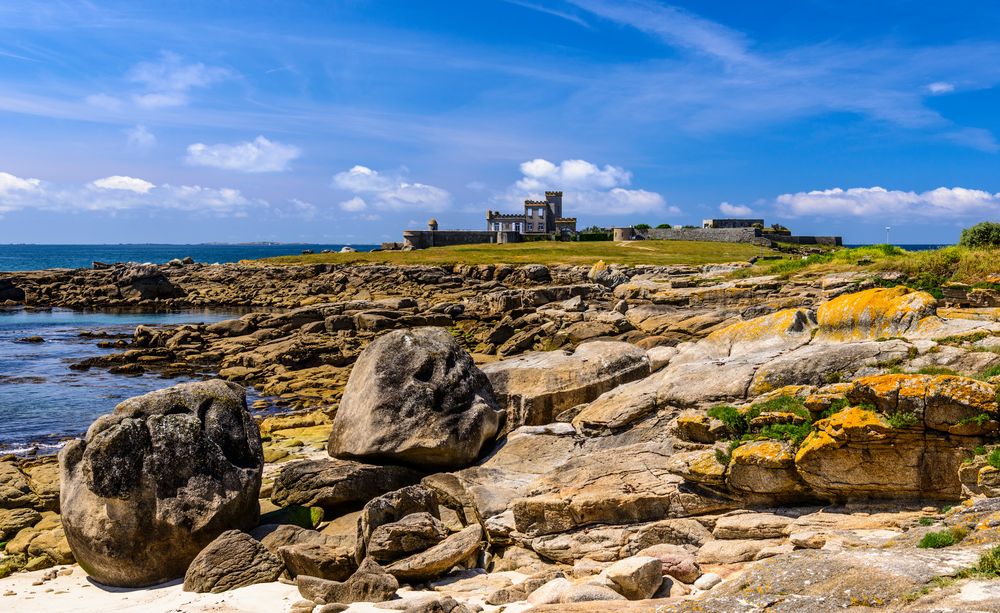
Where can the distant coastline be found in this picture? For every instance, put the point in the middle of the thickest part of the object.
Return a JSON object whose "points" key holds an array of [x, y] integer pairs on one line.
{"points": [[21, 257]]}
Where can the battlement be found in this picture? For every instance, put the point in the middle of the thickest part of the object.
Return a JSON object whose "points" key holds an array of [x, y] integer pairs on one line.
{"points": [[535, 202], [553, 193]]}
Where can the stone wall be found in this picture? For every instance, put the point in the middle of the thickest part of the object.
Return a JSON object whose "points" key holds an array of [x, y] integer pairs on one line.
{"points": [[716, 235], [805, 240], [422, 239]]}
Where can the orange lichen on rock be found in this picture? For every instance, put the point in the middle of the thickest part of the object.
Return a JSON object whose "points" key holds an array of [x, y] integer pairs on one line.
{"points": [[953, 404], [850, 424], [784, 329], [874, 313]]}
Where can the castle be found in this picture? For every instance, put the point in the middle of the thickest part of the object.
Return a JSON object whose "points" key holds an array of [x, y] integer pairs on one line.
{"points": [[540, 217]]}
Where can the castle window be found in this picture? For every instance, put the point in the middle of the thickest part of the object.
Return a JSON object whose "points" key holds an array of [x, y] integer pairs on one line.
{"points": [[531, 227], [496, 227], [541, 213]]}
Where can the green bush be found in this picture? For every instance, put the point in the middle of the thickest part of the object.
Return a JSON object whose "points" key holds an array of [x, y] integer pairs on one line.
{"points": [[993, 459], [925, 521], [902, 420], [736, 422], [664, 226], [944, 538], [783, 404], [793, 433], [642, 226], [992, 371], [989, 562], [985, 234]]}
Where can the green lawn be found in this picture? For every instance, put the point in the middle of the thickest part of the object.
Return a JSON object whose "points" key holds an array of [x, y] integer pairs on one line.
{"points": [[582, 253]]}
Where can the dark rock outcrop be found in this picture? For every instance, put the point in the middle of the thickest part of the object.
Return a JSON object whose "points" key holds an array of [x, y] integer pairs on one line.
{"points": [[158, 479], [415, 397], [370, 583]]}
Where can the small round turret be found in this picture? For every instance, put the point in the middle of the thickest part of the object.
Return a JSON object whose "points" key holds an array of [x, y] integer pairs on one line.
{"points": [[432, 225]]}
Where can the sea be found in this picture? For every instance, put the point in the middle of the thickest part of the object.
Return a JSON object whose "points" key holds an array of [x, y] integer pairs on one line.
{"points": [[37, 257]]}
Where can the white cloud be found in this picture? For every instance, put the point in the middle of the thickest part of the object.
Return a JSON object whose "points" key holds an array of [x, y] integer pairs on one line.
{"points": [[388, 191], [877, 202], [121, 193], [571, 174], [131, 184], [354, 205], [735, 209], [587, 188], [168, 81], [258, 155], [941, 87], [10, 183], [139, 137]]}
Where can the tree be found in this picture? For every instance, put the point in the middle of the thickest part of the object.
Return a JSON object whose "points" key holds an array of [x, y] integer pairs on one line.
{"points": [[664, 226], [983, 234], [642, 226]]}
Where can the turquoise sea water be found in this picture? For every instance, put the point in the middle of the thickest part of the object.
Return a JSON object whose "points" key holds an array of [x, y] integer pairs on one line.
{"points": [[42, 401], [37, 257]]}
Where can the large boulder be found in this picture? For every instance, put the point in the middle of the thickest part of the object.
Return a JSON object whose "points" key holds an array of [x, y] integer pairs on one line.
{"points": [[393, 507], [535, 387], [874, 313], [336, 485], [415, 532], [415, 397], [233, 560], [159, 479], [857, 454]]}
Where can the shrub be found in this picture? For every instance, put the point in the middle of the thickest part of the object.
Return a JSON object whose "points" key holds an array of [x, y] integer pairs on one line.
{"points": [[944, 538], [925, 521], [902, 420], [989, 562], [984, 234], [664, 226], [979, 450], [980, 420], [783, 404], [993, 459], [736, 422], [992, 371], [642, 226], [793, 433]]}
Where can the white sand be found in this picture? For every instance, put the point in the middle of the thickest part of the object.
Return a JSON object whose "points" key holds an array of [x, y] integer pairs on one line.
{"points": [[77, 594]]}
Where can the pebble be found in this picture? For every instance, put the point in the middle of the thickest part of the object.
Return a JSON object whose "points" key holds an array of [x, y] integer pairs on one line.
{"points": [[708, 581]]}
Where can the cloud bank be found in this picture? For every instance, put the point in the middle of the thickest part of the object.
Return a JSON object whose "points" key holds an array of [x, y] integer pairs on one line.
{"points": [[587, 188], [258, 155], [942, 203], [387, 192], [118, 193]]}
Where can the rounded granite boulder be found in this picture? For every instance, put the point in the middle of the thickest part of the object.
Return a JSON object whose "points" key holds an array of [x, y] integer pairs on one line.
{"points": [[159, 479], [415, 397]]}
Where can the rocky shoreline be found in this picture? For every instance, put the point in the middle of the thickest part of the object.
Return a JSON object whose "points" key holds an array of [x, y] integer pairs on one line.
{"points": [[554, 438]]}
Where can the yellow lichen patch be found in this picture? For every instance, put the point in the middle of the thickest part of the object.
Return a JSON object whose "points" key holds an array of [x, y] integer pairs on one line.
{"points": [[795, 391], [978, 314], [769, 454], [707, 468], [874, 313], [295, 420], [788, 321], [852, 423]]}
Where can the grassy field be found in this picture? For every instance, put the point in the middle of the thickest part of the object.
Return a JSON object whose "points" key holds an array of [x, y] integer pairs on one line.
{"points": [[926, 270], [582, 253]]}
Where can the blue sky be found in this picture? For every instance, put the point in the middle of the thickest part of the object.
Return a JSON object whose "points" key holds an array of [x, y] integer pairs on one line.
{"points": [[350, 121]]}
